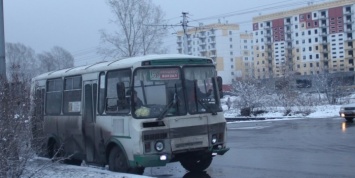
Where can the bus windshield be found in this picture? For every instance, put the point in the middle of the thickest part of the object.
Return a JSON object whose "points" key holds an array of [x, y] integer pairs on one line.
{"points": [[160, 92], [201, 90]]}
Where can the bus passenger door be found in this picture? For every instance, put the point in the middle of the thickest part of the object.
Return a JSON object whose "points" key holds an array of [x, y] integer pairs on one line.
{"points": [[89, 119]]}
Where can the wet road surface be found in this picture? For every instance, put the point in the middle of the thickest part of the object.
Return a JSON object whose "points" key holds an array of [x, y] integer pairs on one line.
{"points": [[286, 148]]}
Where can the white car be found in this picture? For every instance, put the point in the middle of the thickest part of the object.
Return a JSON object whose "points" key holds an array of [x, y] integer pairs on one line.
{"points": [[347, 111]]}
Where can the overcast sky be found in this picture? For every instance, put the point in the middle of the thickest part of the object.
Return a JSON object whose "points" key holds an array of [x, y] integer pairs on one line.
{"points": [[75, 24]]}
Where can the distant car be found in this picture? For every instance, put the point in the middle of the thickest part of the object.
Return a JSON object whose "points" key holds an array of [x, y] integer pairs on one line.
{"points": [[347, 111]]}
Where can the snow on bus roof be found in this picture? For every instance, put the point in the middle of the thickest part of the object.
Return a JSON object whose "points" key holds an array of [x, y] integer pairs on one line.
{"points": [[108, 65]]}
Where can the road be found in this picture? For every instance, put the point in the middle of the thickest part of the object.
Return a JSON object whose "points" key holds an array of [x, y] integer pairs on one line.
{"points": [[285, 148]]}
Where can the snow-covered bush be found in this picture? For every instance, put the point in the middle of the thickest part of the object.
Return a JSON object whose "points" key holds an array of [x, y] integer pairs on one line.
{"points": [[15, 147]]}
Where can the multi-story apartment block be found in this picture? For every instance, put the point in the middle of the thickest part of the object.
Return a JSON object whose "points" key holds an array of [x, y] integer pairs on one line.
{"points": [[245, 63], [305, 41], [220, 41]]}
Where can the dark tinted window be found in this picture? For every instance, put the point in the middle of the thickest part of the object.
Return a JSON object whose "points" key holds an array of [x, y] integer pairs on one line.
{"points": [[54, 96]]}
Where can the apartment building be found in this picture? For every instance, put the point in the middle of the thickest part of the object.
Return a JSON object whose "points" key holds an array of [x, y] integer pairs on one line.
{"points": [[311, 40], [220, 41], [245, 63]]}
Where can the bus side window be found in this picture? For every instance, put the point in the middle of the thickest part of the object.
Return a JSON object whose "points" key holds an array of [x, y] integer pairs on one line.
{"points": [[121, 96], [117, 81], [101, 102]]}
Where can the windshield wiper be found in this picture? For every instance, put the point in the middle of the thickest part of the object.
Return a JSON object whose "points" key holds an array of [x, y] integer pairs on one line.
{"points": [[172, 103], [208, 108]]}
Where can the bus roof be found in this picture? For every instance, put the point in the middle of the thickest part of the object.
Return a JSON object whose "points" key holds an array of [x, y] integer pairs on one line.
{"points": [[110, 65]]}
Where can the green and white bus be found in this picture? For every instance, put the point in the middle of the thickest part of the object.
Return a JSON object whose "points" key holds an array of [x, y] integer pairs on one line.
{"points": [[132, 113]]}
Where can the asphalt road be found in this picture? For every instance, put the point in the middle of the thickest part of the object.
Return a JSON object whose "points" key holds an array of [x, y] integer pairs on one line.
{"points": [[287, 148]]}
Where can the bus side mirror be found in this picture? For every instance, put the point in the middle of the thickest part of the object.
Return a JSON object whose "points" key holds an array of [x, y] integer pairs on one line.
{"points": [[220, 86]]}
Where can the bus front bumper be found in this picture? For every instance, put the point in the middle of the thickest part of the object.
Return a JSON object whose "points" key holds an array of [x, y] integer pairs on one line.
{"points": [[152, 160], [219, 151]]}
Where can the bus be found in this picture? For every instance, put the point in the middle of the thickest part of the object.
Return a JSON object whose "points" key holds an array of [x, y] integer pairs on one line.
{"points": [[132, 113]]}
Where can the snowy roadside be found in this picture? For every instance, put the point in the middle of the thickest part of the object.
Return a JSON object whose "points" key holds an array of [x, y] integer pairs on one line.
{"points": [[44, 168], [325, 111]]}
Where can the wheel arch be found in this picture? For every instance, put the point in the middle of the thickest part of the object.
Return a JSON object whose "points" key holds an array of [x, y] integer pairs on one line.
{"points": [[111, 144]]}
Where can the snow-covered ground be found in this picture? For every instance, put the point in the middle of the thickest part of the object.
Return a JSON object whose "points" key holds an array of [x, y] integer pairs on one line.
{"points": [[44, 168], [316, 112]]}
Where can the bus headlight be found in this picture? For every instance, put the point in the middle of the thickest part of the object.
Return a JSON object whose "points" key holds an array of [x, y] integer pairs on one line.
{"points": [[159, 146], [214, 139]]}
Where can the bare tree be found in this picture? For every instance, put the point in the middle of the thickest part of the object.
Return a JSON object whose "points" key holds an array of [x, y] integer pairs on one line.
{"points": [[251, 94], [140, 29], [329, 86], [57, 58], [15, 147], [21, 61]]}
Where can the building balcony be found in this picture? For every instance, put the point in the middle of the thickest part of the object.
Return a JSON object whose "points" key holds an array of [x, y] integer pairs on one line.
{"points": [[267, 35], [349, 49], [203, 50], [269, 58], [213, 55], [349, 22], [213, 41], [288, 24], [324, 51], [288, 31], [349, 30], [202, 36], [348, 39], [323, 34], [349, 57], [324, 42], [325, 59], [212, 34], [202, 44], [322, 17], [346, 13], [268, 42], [269, 50]]}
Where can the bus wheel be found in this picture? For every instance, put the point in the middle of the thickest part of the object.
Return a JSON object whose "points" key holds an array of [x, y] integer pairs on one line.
{"points": [[54, 151], [117, 161], [196, 163]]}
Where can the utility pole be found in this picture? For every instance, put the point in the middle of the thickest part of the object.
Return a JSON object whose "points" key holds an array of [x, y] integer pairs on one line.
{"points": [[184, 27], [2, 43]]}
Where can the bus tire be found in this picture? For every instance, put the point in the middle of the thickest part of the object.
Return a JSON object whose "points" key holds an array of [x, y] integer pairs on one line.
{"points": [[54, 150], [196, 163], [117, 161]]}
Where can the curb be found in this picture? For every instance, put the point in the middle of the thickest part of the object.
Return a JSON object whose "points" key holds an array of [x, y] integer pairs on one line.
{"points": [[251, 118]]}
